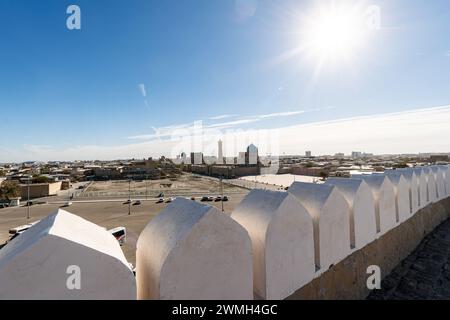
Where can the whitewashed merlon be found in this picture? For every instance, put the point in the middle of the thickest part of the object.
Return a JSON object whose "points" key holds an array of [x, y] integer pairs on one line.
{"points": [[423, 186], [193, 251], [281, 231], [331, 219], [384, 197], [65, 257], [414, 188], [431, 184], [363, 228], [440, 181], [402, 188], [446, 170]]}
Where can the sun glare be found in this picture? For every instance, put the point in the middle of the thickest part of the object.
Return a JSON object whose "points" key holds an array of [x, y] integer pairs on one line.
{"points": [[332, 33]]}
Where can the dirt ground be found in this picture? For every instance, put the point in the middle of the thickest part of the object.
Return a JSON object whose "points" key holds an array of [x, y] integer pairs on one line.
{"points": [[107, 214], [185, 185]]}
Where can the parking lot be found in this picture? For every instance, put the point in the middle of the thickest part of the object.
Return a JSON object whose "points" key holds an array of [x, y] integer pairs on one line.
{"points": [[106, 213]]}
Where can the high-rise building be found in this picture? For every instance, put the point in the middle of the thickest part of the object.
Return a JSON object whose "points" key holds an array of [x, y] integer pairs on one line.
{"points": [[196, 158], [356, 154], [241, 158], [220, 155], [252, 155], [308, 154]]}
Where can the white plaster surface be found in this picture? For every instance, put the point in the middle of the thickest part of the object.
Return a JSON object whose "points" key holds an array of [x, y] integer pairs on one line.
{"points": [[34, 265], [331, 220], [423, 186], [431, 184], [193, 251], [446, 170], [402, 200], [359, 196], [384, 197], [440, 181], [281, 231], [414, 188]]}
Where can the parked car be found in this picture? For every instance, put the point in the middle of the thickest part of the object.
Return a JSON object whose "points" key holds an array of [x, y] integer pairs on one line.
{"points": [[137, 203], [193, 198], [15, 232], [218, 198], [204, 198], [127, 202], [120, 233], [225, 198], [169, 200], [210, 198], [160, 200]]}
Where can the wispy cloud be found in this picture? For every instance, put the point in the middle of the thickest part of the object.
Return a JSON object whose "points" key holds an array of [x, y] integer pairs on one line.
{"points": [[143, 91], [168, 131], [223, 116], [414, 131], [141, 87]]}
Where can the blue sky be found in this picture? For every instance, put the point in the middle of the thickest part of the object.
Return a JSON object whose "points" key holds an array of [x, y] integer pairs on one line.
{"points": [[215, 61]]}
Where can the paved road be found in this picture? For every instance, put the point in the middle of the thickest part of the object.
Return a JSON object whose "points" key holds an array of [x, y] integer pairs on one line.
{"points": [[425, 274]]}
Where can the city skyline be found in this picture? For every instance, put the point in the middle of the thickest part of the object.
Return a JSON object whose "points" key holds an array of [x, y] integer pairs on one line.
{"points": [[139, 74]]}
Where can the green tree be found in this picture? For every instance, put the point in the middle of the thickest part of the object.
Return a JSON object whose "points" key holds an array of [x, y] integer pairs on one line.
{"points": [[309, 164], [323, 175], [400, 165], [9, 189], [40, 179]]}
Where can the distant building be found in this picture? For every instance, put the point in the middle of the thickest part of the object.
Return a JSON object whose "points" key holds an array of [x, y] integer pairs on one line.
{"points": [[39, 190], [308, 154], [197, 158], [356, 154], [183, 158], [438, 157], [241, 158], [339, 155], [229, 160], [252, 155], [220, 153]]}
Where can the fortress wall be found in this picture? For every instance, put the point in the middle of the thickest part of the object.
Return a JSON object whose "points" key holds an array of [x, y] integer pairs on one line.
{"points": [[314, 241], [347, 279]]}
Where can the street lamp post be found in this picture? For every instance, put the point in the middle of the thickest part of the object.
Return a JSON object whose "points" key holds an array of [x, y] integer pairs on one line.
{"points": [[221, 190], [146, 188], [28, 201], [129, 197]]}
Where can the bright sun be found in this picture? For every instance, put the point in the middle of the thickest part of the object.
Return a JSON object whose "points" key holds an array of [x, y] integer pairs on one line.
{"points": [[332, 32]]}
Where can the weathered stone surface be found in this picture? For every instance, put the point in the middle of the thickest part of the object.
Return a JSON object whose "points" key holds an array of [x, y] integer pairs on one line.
{"points": [[428, 270], [281, 231]]}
